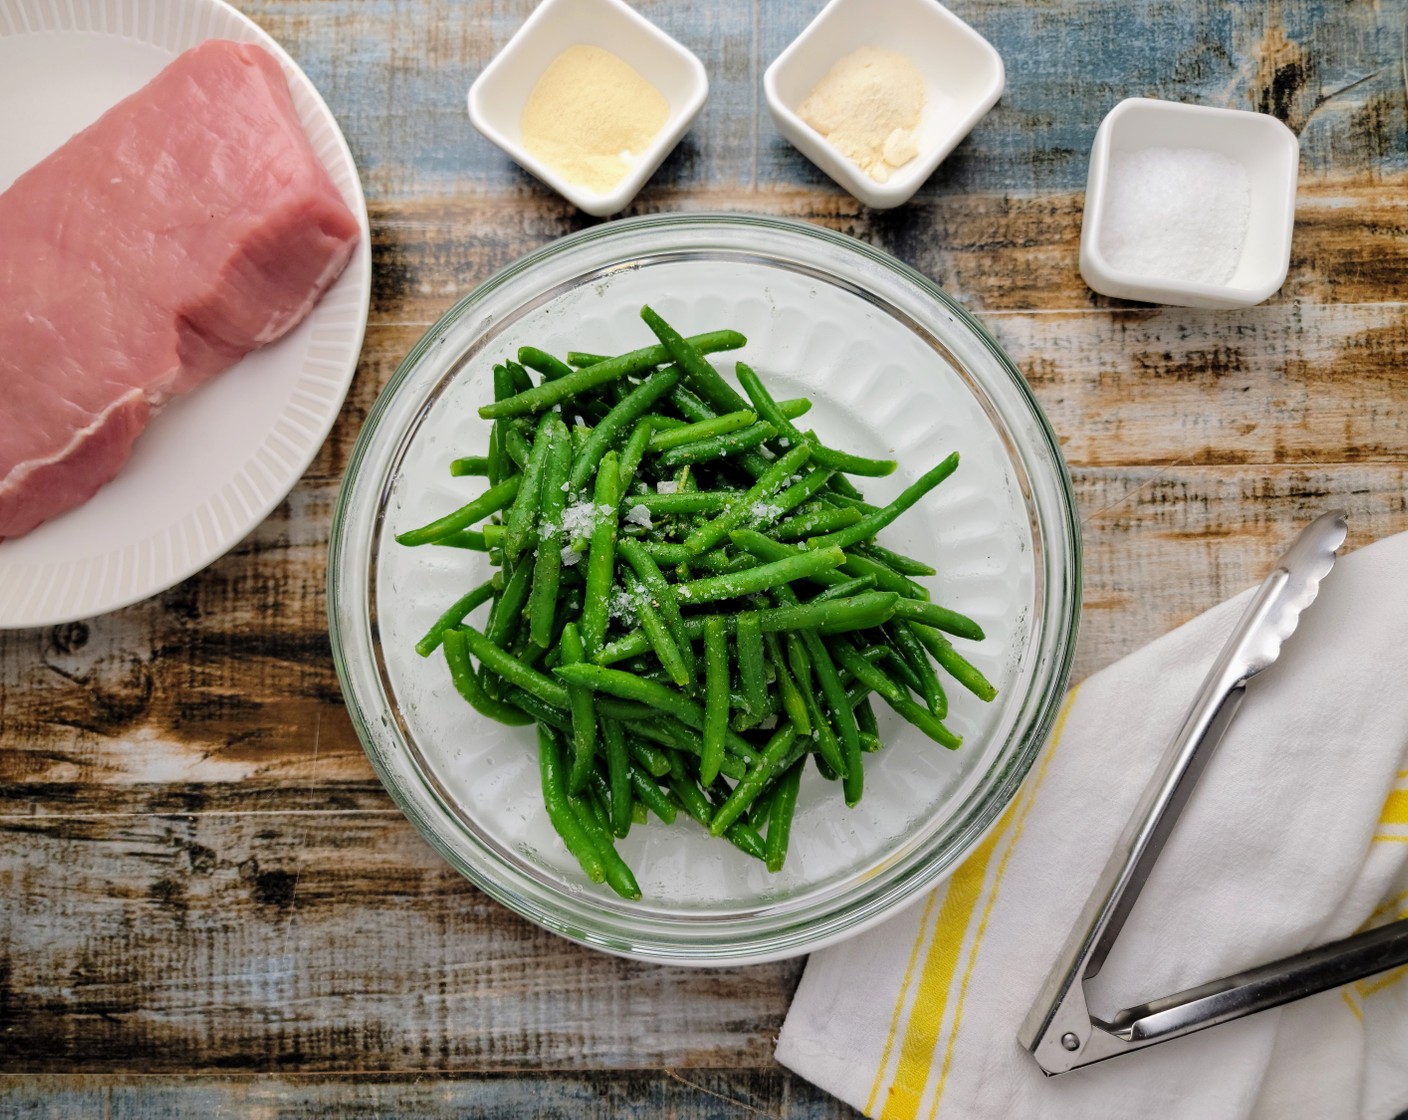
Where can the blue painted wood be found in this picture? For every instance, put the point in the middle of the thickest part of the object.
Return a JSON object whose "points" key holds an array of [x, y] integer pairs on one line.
{"points": [[396, 72]]}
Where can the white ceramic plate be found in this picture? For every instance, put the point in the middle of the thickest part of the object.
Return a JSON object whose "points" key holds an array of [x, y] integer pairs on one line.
{"points": [[214, 463]]}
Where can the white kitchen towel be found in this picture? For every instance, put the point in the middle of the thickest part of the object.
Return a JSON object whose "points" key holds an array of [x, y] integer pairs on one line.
{"points": [[1296, 834]]}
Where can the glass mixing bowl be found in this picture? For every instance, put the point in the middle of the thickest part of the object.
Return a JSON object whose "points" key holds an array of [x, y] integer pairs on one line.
{"points": [[895, 368]]}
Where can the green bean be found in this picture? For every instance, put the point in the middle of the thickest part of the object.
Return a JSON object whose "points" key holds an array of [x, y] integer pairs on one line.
{"points": [[844, 590], [564, 821], [601, 556], [828, 616], [513, 671], [619, 420], [833, 497], [663, 594], [872, 523], [852, 779], [904, 640], [509, 609], [832, 616], [497, 456], [783, 809], [717, 447], [767, 549], [634, 452], [518, 376], [461, 609], [842, 486], [687, 501], [704, 429], [542, 713], [670, 732], [468, 686], [618, 876], [584, 358], [897, 561], [465, 538], [491, 501], [469, 465], [583, 713], [689, 355], [541, 361], [698, 806], [518, 448], [618, 802], [953, 663], [630, 687], [894, 696], [764, 576], [656, 631], [588, 377], [688, 793], [864, 670], [902, 670], [886, 578], [652, 796], [752, 675], [825, 456], [940, 618], [753, 782], [716, 698], [812, 521], [869, 737], [789, 695], [656, 762], [547, 564]]}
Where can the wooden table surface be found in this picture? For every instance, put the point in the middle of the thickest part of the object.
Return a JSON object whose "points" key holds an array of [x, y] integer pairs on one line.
{"points": [[210, 905]]}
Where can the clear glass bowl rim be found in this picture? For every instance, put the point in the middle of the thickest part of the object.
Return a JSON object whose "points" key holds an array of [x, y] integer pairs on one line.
{"points": [[766, 936]]}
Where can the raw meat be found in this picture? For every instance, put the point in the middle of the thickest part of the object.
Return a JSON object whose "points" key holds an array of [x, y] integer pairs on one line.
{"points": [[189, 225]]}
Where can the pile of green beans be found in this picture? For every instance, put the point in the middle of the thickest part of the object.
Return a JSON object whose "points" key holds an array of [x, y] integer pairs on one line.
{"points": [[688, 598]]}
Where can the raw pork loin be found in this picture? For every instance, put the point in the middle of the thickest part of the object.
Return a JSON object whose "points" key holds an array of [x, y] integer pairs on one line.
{"points": [[189, 225]]}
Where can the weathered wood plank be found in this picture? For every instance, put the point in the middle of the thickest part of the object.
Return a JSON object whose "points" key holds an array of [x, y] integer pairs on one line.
{"points": [[689, 1094], [287, 941], [395, 73], [1314, 374]]}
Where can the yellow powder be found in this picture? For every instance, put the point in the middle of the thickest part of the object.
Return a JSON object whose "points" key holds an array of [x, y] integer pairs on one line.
{"points": [[868, 106], [590, 117]]}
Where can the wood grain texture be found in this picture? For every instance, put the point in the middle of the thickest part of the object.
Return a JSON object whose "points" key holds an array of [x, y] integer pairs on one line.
{"points": [[691, 1094], [201, 873]]}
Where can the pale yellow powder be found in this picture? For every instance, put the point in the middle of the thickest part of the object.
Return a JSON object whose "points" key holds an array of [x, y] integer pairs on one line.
{"points": [[868, 106], [590, 117]]}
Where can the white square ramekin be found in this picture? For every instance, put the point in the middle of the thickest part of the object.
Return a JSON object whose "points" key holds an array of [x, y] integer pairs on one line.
{"points": [[1268, 150], [497, 97], [963, 78]]}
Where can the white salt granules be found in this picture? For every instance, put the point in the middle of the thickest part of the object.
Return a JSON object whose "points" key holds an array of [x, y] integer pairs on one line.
{"points": [[579, 519], [639, 515], [1175, 214]]}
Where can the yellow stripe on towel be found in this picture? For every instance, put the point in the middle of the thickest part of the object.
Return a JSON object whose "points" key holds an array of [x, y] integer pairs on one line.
{"points": [[1395, 808], [961, 901]]}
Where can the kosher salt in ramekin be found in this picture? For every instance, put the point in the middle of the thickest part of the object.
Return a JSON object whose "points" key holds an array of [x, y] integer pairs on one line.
{"points": [[1270, 154], [497, 97], [963, 78]]}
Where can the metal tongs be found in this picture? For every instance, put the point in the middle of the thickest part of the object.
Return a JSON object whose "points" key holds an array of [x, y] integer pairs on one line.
{"points": [[1060, 1031]]}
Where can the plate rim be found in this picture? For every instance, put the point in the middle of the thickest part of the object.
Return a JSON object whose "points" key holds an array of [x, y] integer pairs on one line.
{"points": [[101, 593]]}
